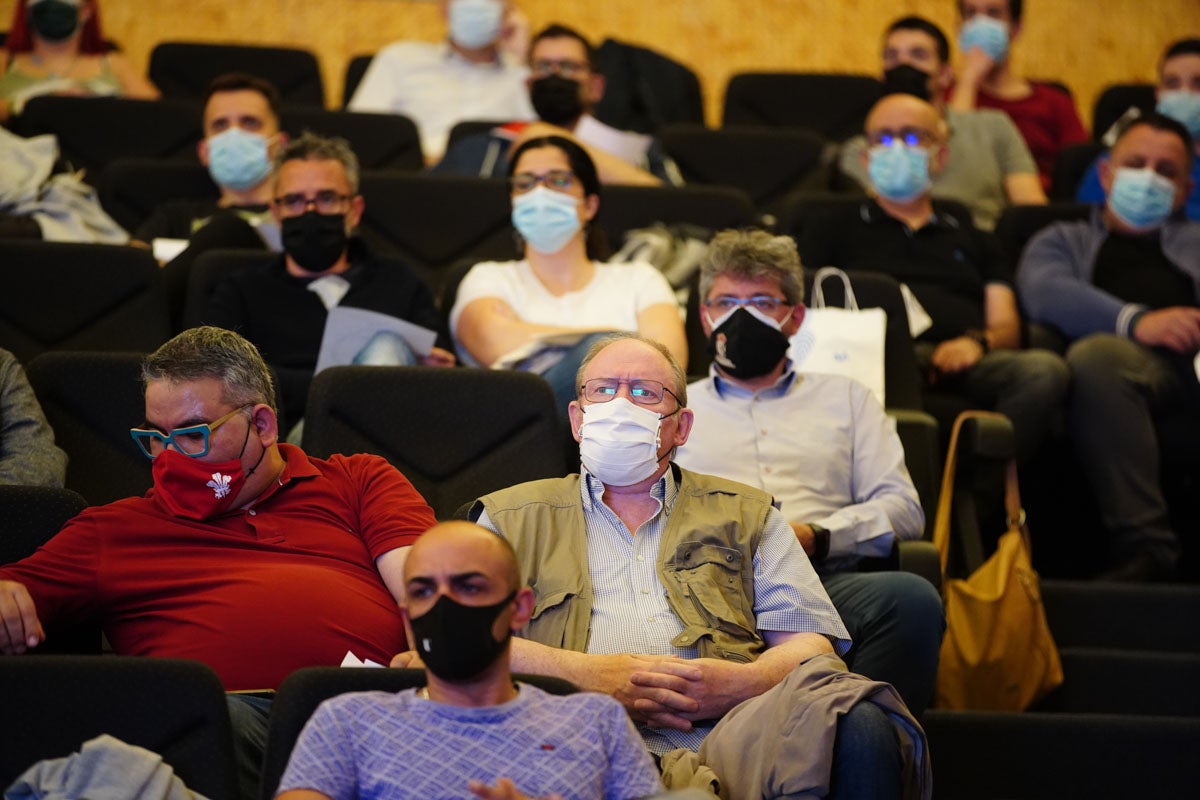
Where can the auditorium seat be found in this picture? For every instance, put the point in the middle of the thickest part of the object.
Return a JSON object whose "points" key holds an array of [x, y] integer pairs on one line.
{"points": [[185, 69], [91, 401], [94, 131], [766, 163], [173, 707], [66, 296], [832, 105], [479, 430]]}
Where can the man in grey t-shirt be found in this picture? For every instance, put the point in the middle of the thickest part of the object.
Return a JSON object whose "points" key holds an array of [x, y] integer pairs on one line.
{"points": [[988, 165]]}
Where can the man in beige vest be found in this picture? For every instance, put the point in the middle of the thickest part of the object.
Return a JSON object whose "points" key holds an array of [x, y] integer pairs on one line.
{"points": [[682, 595]]}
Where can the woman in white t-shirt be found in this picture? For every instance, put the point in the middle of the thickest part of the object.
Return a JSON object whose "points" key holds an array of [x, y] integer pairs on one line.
{"points": [[541, 313]]}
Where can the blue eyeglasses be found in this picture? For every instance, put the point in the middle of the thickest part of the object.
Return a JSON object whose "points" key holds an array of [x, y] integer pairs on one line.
{"points": [[761, 302], [192, 441]]}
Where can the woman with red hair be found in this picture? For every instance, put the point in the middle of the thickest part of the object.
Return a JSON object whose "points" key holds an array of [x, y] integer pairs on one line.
{"points": [[55, 47]]}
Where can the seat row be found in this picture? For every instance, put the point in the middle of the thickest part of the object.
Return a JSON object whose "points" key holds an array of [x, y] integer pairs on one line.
{"points": [[177, 709]]}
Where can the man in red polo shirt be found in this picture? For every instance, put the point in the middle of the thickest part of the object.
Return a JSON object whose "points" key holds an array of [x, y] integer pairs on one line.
{"points": [[248, 554]]}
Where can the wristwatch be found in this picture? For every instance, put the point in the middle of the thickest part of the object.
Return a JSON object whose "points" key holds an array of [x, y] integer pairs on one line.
{"points": [[820, 542], [980, 338]]}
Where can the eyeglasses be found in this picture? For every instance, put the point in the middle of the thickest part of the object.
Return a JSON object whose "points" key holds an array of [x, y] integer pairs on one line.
{"points": [[558, 180], [192, 441], [641, 391], [326, 201], [566, 68], [761, 302], [909, 136]]}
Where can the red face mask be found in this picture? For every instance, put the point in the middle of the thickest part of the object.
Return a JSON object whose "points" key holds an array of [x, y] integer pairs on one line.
{"points": [[194, 489]]}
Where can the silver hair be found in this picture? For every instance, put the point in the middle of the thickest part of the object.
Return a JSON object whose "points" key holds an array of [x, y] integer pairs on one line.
{"points": [[679, 377], [313, 147], [754, 255], [209, 352]]}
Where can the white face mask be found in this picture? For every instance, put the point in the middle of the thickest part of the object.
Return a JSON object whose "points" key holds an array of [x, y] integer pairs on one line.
{"points": [[620, 441]]}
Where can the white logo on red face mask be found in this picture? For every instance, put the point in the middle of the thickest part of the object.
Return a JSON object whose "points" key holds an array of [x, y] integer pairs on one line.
{"points": [[219, 484]]}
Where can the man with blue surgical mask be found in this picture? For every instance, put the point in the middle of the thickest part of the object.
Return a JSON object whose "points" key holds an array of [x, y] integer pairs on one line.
{"points": [[1122, 287], [955, 272], [1044, 114], [1178, 97], [241, 137], [477, 73], [987, 165]]}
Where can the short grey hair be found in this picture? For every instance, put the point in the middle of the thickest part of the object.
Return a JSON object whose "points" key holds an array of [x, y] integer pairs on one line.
{"points": [[312, 147], [754, 255], [209, 352], [679, 377]]}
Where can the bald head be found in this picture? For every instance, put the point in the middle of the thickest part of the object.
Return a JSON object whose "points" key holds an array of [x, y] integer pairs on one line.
{"points": [[455, 552], [897, 113]]}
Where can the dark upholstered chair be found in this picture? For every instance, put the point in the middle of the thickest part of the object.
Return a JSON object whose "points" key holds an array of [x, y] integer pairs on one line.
{"points": [[980, 755], [624, 208], [355, 70], [94, 131], [176, 708], [91, 401], [832, 105], [185, 69], [1115, 100], [766, 163], [60, 296], [1070, 167], [432, 221], [32, 515], [380, 141], [455, 433], [645, 89], [131, 189]]}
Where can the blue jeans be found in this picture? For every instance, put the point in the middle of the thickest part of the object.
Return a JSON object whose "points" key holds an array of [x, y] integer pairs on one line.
{"points": [[248, 714], [866, 756], [896, 622]]}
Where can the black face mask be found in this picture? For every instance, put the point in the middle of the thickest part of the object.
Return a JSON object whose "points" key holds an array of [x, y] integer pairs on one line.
{"points": [[907, 79], [744, 346], [455, 641], [314, 241], [556, 99], [54, 20]]}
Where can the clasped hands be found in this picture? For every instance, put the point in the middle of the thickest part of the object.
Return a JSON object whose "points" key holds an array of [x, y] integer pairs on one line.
{"points": [[659, 691]]}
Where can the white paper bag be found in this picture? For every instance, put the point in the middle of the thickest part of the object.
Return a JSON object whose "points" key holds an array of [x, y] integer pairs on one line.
{"points": [[841, 341]]}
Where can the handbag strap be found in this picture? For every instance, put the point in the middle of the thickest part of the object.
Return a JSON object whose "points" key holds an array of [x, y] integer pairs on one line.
{"points": [[1012, 493], [818, 294]]}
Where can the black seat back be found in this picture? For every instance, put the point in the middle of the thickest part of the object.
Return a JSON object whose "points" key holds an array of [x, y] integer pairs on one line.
{"points": [[185, 69]]}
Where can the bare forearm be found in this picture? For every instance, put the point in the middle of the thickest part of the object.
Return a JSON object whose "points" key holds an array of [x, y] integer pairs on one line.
{"points": [[539, 659], [783, 657]]}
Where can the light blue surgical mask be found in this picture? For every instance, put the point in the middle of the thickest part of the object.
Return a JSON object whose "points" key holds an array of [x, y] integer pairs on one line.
{"points": [[988, 34], [238, 159], [1183, 106], [546, 219], [475, 23], [1141, 198], [899, 172]]}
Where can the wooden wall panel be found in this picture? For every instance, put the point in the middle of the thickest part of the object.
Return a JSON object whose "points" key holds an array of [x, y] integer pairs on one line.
{"points": [[1086, 43]]}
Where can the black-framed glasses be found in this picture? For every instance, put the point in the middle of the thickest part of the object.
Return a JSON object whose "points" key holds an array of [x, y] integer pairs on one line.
{"points": [[560, 180], [565, 67], [762, 302], [326, 201], [641, 391], [913, 137], [192, 441]]}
